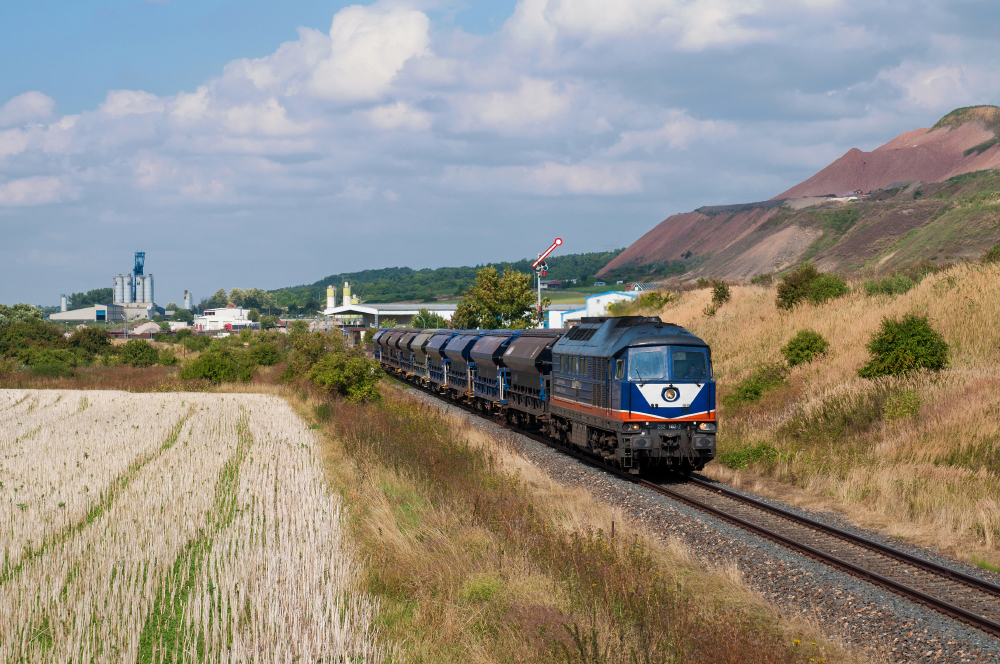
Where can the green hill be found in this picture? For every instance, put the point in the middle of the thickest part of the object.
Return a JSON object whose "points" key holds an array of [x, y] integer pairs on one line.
{"points": [[403, 284]]}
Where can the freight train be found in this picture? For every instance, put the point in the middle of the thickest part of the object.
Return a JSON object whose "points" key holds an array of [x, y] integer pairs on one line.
{"points": [[633, 391]]}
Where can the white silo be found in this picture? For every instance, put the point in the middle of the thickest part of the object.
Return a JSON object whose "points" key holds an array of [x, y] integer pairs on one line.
{"points": [[187, 300], [149, 288], [62, 303], [119, 289], [331, 297], [127, 291]]}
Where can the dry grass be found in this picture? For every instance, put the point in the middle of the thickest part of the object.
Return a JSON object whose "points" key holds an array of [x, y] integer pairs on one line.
{"points": [[478, 556], [163, 528], [932, 477]]}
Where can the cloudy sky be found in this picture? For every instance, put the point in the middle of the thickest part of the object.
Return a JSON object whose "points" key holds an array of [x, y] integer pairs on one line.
{"points": [[270, 144]]}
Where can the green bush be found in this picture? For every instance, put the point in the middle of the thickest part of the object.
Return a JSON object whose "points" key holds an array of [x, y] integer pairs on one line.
{"points": [[654, 299], [903, 346], [756, 385], [196, 343], [895, 284], [992, 255], [52, 361], [264, 354], [183, 334], [807, 284], [348, 373], [741, 459], [762, 280], [91, 339], [138, 353], [220, 366], [804, 347], [167, 358], [8, 365]]}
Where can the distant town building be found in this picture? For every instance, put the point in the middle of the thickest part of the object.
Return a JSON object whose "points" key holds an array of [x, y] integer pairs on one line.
{"points": [[227, 319], [103, 313]]}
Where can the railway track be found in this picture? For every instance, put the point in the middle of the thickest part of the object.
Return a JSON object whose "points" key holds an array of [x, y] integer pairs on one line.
{"points": [[961, 596]]}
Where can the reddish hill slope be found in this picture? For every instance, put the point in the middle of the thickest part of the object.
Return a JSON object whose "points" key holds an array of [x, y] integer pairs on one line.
{"points": [[737, 241]]}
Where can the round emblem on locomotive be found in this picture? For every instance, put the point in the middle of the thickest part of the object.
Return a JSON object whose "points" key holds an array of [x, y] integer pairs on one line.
{"points": [[670, 394]]}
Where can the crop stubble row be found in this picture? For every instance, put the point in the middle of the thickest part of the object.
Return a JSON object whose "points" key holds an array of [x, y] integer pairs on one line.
{"points": [[174, 527]]}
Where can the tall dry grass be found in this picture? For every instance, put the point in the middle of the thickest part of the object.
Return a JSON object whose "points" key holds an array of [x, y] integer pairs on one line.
{"points": [[932, 476], [478, 556], [163, 528]]}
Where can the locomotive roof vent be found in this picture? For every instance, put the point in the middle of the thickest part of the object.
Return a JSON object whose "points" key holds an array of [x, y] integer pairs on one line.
{"points": [[632, 321]]}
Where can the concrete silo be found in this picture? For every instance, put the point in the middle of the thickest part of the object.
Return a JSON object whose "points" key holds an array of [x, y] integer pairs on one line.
{"points": [[331, 297], [127, 295], [148, 288], [187, 300], [119, 289], [62, 303]]}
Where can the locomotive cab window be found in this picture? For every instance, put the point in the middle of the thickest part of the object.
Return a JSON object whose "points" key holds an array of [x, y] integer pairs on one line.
{"points": [[619, 369], [647, 365], [689, 364]]}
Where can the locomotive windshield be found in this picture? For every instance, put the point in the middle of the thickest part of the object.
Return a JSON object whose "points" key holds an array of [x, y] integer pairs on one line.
{"points": [[690, 364], [647, 365]]}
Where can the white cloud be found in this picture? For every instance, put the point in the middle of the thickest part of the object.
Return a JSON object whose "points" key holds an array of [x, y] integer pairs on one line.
{"points": [[534, 103], [690, 25], [358, 192], [399, 115], [549, 179], [368, 47], [28, 107], [38, 190], [268, 118], [131, 102], [677, 132], [13, 141]]}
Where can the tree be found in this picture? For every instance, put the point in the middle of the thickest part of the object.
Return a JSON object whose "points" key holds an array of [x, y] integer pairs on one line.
{"points": [[255, 298], [236, 297], [494, 302], [172, 307], [19, 313], [903, 346], [253, 315], [808, 283], [182, 316], [92, 340], [427, 320], [138, 353], [268, 322], [219, 300], [90, 298]]}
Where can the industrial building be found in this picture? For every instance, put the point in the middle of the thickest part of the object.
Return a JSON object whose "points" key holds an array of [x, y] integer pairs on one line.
{"points": [[99, 313], [225, 319], [596, 305]]}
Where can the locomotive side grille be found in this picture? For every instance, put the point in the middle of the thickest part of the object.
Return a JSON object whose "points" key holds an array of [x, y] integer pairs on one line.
{"points": [[591, 367], [599, 397]]}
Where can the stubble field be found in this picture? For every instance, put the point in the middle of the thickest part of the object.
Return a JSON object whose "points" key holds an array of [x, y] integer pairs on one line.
{"points": [[170, 527]]}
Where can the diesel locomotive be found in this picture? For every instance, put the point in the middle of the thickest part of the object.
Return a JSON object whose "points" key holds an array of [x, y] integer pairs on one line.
{"points": [[633, 391]]}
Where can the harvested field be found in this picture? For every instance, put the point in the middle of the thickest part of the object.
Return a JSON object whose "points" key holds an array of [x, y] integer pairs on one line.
{"points": [[170, 527]]}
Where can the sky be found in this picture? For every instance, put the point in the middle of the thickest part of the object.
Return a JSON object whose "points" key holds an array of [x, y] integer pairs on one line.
{"points": [[263, 144]]}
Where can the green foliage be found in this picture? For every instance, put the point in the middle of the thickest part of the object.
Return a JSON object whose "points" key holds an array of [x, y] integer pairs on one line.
{"points": [[182, 316], [804, 347], [298, 327], [268, 322], [844, 417], [895, 284], [481, 588], [368, 336], [265, 354], [720, 295], [991, 256], [19, 313], [905, 345], [743, 458], [20, 339], [223, 365], [8, 365], [496, 301], [425, 320], [807, 284], [398, 284], [901, 405], [195, 342], [47, 356], [348, 373], [754, 387], [90, 298], [167, 358], [702, 283], [763, 280], [138, 353], [253, 315], [95, 341], [834, 223]]}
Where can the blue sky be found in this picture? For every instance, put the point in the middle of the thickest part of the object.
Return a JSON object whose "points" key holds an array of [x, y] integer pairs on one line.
{"points": [[268, 144]]}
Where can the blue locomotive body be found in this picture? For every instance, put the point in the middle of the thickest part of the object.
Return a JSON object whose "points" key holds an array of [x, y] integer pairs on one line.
{"points": [[633, 391]]}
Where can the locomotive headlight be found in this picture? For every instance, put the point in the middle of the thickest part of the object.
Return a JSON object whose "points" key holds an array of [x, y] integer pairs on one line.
{"points": [[706, 426], [670, 394], [630, 427]]}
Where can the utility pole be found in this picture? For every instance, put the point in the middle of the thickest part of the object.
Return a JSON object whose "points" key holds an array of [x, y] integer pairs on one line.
{"points": [[540, 270]]}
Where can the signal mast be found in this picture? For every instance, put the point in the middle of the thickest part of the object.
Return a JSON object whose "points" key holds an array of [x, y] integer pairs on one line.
{"points": [[540, 270]]}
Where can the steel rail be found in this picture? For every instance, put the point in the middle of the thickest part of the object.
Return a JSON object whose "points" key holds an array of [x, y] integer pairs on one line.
{"points": [[936, 603]]}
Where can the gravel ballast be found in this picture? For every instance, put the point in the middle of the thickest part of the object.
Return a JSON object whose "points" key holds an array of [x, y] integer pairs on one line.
{"points": [[863, 616]]}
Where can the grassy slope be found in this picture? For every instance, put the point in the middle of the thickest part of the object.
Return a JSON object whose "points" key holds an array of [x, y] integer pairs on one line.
{"points": [[932, 477]]}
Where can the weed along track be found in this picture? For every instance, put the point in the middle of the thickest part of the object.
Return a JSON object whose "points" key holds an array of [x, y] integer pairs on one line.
{"points": [[963, 597], [171, 527]]}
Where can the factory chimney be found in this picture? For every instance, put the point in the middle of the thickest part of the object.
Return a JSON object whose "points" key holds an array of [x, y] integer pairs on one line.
{"points": [[187, 300], [331, 297], [62, 303]]}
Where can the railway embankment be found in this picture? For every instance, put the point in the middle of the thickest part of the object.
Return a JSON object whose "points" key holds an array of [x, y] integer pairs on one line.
{"points": [[915, 456], [873, 623]]}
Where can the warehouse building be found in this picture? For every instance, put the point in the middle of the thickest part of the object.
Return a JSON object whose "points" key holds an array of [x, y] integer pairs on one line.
{"points": [[225, 319], [99, 313]]}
